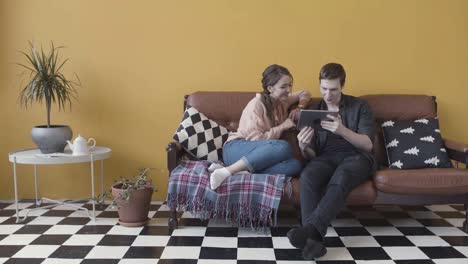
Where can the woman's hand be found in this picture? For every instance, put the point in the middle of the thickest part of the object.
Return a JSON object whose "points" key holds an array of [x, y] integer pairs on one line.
{"points": [[294, 114], [305, 137], [287, 124]]}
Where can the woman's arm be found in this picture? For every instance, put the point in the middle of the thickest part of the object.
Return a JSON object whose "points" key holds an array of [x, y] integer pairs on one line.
{"points": [[303, 97]]}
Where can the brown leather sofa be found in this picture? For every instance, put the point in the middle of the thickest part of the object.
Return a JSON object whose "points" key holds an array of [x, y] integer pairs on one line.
{"points": [[421, 186]]}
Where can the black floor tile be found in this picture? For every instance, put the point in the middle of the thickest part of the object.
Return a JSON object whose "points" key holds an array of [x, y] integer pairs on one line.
{"points": [[72, 252], [185, 241], [24, 261], [101, 261], [192, 222], [97, 207], [333, 242], [74, 221], [368, 253], [414, 208], [58, 213], [254, 242], [95, 229], [109, 214], [456, 241], [156, 231], [218, 253], [8, 251], [357, 208], [2, 237], [8, 212], [144, 252], [288, 254], [441, 252], [117, 240], [394, 241], [450, 214], [255, 262], [414, 261], [12, 221], [221, 231], [335, 262], [279, 230], [345, 214], [458, 207], [177, 261], [33, 229], [165, 214], [394, 214], [50, 240], [434, 222], [415, 231], [374, 222], [4, 205], [351, 231]]}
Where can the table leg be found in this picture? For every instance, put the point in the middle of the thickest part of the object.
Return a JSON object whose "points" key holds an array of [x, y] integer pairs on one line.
{"points": [[16, 190], [102, 179], [35, 185], [93, 199]]}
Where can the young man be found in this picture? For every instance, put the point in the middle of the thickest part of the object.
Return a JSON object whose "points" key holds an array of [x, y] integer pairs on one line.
{"points": [[340, 159]]}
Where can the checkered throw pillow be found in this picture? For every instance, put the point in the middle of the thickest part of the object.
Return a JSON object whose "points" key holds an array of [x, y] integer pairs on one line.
{"points": [[200, 136]]}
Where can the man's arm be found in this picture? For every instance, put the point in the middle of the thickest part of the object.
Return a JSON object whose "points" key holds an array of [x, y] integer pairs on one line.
{"points": [[360, 141]]}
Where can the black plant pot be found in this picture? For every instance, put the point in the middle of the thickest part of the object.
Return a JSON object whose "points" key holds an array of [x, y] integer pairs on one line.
{"points": [[51, 139]]}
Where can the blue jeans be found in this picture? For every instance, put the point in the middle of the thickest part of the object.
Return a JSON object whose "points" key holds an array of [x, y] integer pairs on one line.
{"points": [[262, 156]]}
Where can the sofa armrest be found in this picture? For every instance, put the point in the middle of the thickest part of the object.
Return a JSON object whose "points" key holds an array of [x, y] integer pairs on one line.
{"points": [[456, 150], [174, 153]]}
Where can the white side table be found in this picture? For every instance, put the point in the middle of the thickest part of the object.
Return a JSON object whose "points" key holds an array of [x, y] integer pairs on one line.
{"points": [[35, 157]]}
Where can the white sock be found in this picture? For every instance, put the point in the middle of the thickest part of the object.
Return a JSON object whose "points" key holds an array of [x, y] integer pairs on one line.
{"points": [[218, 176], [214, 166]]}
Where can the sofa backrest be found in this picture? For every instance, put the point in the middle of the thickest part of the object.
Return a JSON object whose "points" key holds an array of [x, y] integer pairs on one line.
{"points": [[226, 108]]}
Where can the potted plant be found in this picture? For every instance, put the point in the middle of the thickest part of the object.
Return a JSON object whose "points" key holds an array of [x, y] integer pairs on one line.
{"points": [[47, 83], [132, 196]]}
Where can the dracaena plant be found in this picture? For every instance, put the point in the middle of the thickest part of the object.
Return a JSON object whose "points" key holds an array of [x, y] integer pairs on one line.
{"points": [[46, 83]]}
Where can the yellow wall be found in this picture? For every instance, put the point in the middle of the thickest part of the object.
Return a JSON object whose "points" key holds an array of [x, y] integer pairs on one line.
{"points": [[136, 60]]}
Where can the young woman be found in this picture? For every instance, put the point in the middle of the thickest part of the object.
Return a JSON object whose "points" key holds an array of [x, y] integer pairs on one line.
{"points": [[255, 146]]}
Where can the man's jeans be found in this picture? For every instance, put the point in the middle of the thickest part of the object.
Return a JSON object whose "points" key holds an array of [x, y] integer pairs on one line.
{"points": [[326, 181], [262, 156]]}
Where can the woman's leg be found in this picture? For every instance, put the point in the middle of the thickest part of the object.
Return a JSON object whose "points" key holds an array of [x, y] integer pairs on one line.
{"points": [[290, 167]]}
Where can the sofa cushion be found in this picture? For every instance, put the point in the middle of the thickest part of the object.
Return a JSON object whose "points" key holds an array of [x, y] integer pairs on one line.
{"points": [[414, 144], [446, 181], [200, 136]]}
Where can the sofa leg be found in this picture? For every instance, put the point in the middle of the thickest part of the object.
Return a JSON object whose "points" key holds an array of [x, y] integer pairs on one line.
{"points": [[172, 221], [465, 223]]}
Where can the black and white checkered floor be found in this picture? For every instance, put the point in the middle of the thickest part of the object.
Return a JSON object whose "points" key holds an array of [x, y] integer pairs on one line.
{"points": [[379, 234]]}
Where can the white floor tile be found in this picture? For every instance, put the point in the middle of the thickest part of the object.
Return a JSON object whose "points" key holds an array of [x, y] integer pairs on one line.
{"points": [[81, 213], [36, 212], [457, 222], [295, 262], [46, 220], [63, 229], [103, 221], [164, 207], [61, 261], [157, 222], [138, 261], [122, 230], [3, 260], [441, 208], [383, 231], [189, 231], [222, 242], [427, 241], [446, 231], [9, 229], [331, 232], [405, 222], [451, 261], [20, 206], [150, 241], [181, 253], [359, 241], [88, 240], [345, 222], [19, 239], [423, 215], [255, 254], [375, 262], [397, 253], [249, 232], [282, 242], [217, 261], [337, 253], [36, 251], [463, 250], [107, 252], [2, 219]]}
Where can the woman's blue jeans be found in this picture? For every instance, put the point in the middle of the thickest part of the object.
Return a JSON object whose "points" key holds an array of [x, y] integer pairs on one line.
{"points": [[262, 156]]}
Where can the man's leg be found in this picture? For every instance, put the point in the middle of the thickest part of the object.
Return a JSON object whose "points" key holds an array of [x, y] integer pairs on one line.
{"points": [[314, 178], [351, 172]]}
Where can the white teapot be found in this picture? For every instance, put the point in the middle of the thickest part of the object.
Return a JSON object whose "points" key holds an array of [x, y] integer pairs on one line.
{"points": [[80, 145]]}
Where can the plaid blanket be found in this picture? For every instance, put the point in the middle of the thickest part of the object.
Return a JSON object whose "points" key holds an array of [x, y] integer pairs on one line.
{"points": [[244, 199]]}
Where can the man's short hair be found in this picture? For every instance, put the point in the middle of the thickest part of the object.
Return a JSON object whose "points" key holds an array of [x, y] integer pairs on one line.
{"points": [[331, 71]]}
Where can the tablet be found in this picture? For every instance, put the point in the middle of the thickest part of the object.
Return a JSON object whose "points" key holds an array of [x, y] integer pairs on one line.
{"points": [[312, 118]]}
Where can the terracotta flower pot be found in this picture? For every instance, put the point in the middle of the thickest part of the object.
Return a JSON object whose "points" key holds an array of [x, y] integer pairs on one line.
{"points": [[133, 212]]}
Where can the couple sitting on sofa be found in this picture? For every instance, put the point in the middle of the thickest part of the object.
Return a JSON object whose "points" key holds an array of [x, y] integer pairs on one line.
{"points": [[339, 154]]}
